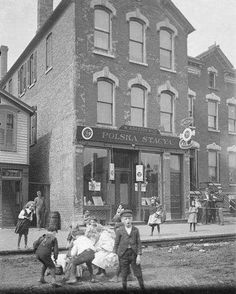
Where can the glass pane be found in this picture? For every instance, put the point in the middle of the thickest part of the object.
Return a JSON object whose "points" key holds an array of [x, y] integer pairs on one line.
{"points": [[166, 103], [2, 134], [166, 122], [136, 51], [232, 125], [165, 39], [10, 118], [101, 40], [165, 58], [9, 137], [212, 80], [212, 156], [232, 111], [175, 163], [104, 113], [232, 160], [137, 97], [102, 20], [212, 173], [211, 108], [152, 168], [212, 122], [95, 167], [105, 91], [136, 31], [137, 117]]}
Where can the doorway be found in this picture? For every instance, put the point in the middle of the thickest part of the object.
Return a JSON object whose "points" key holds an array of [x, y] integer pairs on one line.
{"points": [[175, 187]]}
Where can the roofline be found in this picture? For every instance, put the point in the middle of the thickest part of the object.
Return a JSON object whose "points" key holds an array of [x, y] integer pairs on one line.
{"points": [[18, 102], [213, 48], [190, 28], [39, 34]]}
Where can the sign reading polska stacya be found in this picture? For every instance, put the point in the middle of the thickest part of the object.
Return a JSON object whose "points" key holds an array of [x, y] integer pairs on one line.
{"points": [[128, 137]]}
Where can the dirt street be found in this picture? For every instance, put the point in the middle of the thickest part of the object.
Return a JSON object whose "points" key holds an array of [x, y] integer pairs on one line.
{"points": [[190, 267]]}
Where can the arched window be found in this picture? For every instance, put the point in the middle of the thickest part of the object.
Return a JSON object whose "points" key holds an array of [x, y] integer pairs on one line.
{"points": [[105, 101], [166, 112], [137, 106]]}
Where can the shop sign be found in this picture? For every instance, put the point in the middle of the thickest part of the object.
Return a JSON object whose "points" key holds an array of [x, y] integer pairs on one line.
{"points": [[139, 173], [133, 138]]}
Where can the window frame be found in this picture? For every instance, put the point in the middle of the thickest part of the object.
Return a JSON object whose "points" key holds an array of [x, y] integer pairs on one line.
{"points": [[22, 80], [216, 116], [144, 114], [231, 119], [170, 113], [143, 51], [6, 111], [170, 51], [231, 169], [217, 176], [49, 53]]}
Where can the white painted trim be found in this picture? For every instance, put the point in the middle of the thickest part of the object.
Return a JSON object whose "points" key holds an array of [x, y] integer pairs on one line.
{"points": [[212, 69], [191, 93], [105, 73], [137, 14], [104, 3], [231, 101], [138, 80], [213, 147], [167, 87], [231, 148], [213, 96]]}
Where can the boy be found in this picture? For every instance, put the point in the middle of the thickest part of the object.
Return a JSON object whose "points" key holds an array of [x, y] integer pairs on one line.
{"points": [[128, 248]]}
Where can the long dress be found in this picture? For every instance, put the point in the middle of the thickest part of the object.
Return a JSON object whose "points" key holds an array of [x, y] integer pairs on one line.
{"points": [[192, 218], [104, 257], [155, 215]]}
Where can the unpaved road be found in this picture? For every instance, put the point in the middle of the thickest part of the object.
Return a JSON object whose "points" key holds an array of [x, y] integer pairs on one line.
{"points": [[209, 266]]}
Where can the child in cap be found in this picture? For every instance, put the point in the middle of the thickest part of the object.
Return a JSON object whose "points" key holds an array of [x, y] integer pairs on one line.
{"points": [[44, 247], [128, 248]]}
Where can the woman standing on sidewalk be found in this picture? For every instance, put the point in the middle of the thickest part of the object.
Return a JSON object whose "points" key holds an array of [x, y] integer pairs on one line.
{"points": [[23, 223]]}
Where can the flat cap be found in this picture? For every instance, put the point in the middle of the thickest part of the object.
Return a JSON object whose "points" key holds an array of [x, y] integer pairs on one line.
{"points": [[126, 212]]}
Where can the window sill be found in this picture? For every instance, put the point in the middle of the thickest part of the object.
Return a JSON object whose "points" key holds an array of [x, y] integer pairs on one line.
{"points": [[215, 89], [22, 94], [231, 133], [232, 185], [168, 134], [98, 52], [168, 70], [139, 63], [106, 126], [49, 69], [30, 86], [214, 131]]}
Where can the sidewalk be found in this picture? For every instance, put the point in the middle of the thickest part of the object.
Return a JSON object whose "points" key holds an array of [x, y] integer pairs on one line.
{"points": [[169, 231]]}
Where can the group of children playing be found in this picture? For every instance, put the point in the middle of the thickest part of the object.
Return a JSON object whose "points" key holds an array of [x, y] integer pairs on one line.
{"points": [[96, 246]]}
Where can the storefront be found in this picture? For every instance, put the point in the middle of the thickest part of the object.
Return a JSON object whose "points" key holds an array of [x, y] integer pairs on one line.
{"points": [[129, 166]]}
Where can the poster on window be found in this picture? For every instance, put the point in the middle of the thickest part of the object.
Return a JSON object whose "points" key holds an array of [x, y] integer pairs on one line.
{"points": [[94, 186], [143, 187], [139, 173], [111, 172]]}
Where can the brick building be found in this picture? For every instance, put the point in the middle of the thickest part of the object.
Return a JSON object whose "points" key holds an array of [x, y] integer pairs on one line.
{"points": [[212, 104], [110, 82]]}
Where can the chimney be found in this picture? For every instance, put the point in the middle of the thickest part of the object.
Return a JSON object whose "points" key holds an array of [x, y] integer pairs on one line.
{"points": [[45, 9], [3, 61]]}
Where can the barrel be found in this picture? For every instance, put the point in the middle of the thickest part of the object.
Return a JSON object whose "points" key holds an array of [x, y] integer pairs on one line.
{"points": [[54, 220]]}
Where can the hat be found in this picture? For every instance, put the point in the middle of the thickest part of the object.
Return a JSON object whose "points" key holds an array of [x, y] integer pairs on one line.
{"points": [[126, 212]]}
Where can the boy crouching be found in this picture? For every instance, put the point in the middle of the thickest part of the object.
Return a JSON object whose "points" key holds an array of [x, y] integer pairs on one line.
{"points": [[128, 248]]}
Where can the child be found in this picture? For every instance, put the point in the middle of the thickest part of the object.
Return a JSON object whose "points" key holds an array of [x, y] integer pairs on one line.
{"points": [[155, 216], [86, 217], [192, 218], [23, 223], [44, 247], [128, 248]]}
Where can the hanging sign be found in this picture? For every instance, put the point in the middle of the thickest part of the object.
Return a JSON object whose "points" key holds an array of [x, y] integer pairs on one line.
{"points": [[139, 173], [111, 172]]}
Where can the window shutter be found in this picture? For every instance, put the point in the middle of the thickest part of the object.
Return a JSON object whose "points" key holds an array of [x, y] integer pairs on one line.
{"points": [[18, 82], [28, 73], [24, 76], [35, 67]]}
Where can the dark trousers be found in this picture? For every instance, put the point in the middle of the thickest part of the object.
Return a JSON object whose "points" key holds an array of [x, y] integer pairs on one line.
{"points": [[126, 260], [87, 257]]}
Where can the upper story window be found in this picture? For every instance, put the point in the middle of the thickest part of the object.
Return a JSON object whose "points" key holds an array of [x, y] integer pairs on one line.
{"points": [[137, 106], [232, 164], [213, 102], [166, 112], [33, 127], [106, 83], [22, 80], [191, 98], [213, 162], [49, 52], [7, 130], [212, 73], [167, 94], [167, 34], [103, 14], [32, 69], [231, 102], [105, 102], [138, 24]]}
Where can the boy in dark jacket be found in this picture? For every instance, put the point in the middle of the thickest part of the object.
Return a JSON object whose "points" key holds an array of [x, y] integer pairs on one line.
{"points": [[128, 248], [44, 247]]}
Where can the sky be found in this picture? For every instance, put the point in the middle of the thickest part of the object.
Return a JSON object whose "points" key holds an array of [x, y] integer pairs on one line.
{"points": [[214, 22]]}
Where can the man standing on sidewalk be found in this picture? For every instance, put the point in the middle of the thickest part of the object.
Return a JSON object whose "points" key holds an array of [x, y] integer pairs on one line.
{"points": [[39, 209]]}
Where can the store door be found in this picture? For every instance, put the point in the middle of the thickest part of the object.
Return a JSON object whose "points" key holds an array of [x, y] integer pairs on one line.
{"points": [[175, 193], [123, 188]]}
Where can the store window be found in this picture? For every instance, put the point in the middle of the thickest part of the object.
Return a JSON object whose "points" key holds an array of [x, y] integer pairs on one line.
{"points": [[152, 177], [95, 173]]}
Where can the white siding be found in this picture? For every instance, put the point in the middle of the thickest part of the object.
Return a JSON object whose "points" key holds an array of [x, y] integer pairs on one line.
{"points": [[20, 156]]}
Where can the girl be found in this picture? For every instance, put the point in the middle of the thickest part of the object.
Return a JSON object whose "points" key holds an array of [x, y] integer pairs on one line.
{"points": [[192, 218], [155, 214], [23, 223]]}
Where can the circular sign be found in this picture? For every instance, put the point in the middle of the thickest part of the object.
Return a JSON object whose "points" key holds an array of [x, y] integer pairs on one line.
{"points": [[187, 134], [87, 133]]}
